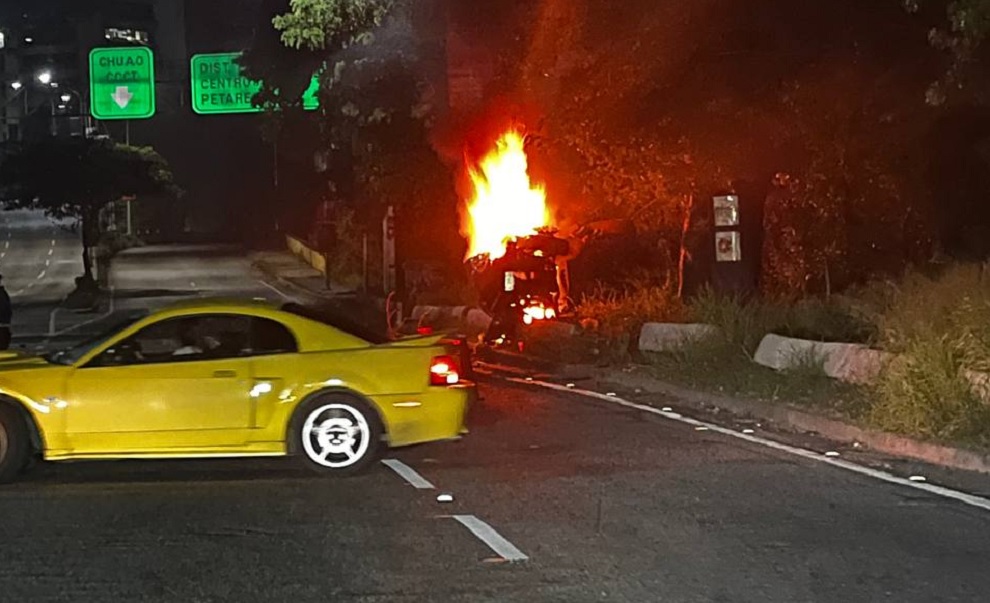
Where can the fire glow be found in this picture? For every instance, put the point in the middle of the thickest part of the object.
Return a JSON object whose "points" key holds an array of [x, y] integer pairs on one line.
{"points": [[506, 205]]}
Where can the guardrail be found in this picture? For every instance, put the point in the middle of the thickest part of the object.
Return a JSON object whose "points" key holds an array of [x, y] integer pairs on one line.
{"points": [[314, 258]]}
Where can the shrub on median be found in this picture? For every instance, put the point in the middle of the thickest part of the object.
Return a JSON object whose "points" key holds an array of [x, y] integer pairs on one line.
{"points": [[937, 325], [611, 318], [615, 312], [744, 323], [940, 327]]}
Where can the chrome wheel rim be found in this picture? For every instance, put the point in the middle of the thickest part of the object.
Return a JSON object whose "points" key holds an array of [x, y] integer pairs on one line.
{"points": [[336, 436]]}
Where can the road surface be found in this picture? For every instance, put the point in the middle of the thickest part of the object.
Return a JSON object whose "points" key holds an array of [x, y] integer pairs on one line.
{"points": [[555, 497], [604, 503], [40, 260]]}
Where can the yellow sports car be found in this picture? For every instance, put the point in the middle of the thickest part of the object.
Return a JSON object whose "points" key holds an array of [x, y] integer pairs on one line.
{"points": [[229, 379]]}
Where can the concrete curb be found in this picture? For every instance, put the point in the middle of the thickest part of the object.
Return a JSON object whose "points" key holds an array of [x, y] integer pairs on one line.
{"points": [[848, 362], [298, 289], [802, 421], [669, 337]]}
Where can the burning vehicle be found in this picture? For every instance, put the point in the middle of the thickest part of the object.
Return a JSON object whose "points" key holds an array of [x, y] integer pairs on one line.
{"points": [[516, 257]]}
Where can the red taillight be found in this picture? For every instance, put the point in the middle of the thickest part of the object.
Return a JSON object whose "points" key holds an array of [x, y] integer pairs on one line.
{"points": [[443, 371], [424, 330]]}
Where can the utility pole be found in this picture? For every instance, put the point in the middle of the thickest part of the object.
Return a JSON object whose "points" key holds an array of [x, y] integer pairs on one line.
{"points": [[127, 141]]}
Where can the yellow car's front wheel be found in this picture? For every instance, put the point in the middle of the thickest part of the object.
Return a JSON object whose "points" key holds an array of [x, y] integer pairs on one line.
{"points": [[337, 434], [14, 444]]}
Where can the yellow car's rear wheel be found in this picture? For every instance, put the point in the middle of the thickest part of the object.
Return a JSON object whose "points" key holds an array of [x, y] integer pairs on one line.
{"points": [[14, 445], [337, 434]]}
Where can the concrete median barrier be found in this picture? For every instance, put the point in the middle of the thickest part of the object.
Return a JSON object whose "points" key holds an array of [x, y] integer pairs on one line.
{"points": [[464, 318], [669, 337], [848, 362]]}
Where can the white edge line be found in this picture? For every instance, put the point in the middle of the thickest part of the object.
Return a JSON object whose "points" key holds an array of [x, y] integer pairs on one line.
{"points": [[273, 288], [495, 541], [969, 499], [409, 474]]}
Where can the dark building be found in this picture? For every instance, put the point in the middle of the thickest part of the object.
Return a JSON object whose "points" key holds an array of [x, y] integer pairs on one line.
{"points": [[45, 52], [44, 91]]}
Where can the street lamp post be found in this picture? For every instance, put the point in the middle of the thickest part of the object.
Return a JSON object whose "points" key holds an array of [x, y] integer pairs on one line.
{"points": [[66, 96]]}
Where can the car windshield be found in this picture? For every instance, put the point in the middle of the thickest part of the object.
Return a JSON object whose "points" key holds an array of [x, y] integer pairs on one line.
{"points": [[112, 326]]}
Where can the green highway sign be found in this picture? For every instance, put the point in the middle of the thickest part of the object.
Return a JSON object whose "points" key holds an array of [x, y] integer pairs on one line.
{"points": [[122, 82], [310, 98], [219, 87]]}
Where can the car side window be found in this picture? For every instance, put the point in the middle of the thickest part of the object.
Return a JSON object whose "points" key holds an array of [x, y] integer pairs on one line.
{"points": [[183, 339], [271, 337]]}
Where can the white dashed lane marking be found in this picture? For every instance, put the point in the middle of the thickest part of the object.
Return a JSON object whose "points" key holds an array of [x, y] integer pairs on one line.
{"points": [[481, 530], [487, 534], [409, 474]]}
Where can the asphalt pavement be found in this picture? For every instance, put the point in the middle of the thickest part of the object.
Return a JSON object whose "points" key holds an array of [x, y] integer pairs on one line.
{"points": [[554, 496], [39, 260], [604, 503]]}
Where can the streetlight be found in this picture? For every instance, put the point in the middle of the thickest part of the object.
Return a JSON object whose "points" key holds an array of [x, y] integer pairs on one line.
{"points": [[45, 77], [16, 85], [66, 97]]}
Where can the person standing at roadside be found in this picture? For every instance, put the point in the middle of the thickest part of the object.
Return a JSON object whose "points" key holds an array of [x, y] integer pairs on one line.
{"points": [[6, 313]]}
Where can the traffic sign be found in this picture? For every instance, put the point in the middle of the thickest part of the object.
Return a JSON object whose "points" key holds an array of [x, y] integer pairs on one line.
{"points": [[310, 98], [218, 86], [122, 82]]}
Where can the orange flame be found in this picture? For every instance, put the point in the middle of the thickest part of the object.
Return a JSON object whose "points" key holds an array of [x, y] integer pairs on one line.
{"points": [[506, 205]]}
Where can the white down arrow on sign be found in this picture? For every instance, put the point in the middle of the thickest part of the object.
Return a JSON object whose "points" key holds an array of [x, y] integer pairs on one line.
{"points": [[122, 96]]}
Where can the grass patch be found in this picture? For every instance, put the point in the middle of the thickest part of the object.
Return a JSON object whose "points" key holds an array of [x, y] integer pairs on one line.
{"points": [[611, 320], [937, 323], [745, 323], [722, 369], [622, 312], [583, 348]]}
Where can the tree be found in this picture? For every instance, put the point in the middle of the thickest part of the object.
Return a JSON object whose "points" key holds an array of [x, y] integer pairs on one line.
{"points": [[370, 138], [968, 27], [329, 24], [77, 178]]}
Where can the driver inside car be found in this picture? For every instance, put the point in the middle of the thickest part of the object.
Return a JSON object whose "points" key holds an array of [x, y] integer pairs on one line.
{"points": [[189, 340]]}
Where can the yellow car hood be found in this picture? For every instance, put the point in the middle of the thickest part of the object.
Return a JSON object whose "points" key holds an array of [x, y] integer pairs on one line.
{"points": [[15, 361]]}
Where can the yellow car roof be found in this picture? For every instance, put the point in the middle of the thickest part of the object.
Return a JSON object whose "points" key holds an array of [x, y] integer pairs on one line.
{"points": [[218, 304]]}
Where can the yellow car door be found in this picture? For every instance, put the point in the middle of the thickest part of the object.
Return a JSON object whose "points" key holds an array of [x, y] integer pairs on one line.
{"points": [[179, 385]]}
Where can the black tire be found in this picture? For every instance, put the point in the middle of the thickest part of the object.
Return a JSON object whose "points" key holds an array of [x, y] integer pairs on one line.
{"points": [[15, 449], [33, 460], [344, 430]]}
